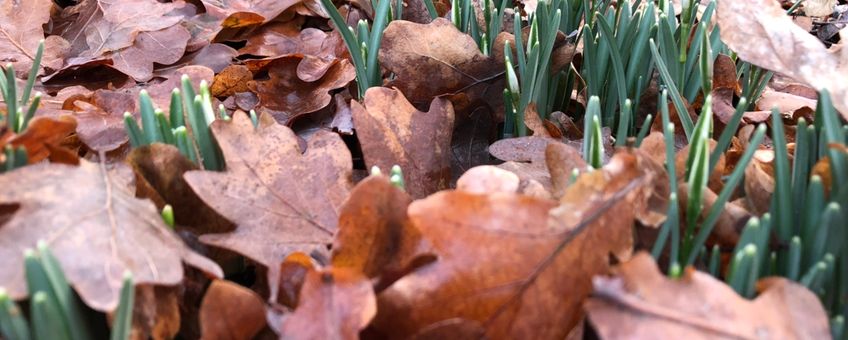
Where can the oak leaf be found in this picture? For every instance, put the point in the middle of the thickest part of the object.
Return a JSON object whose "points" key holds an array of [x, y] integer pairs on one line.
{"points": [[759, 31], [96, 228], [230, 311], [640, 302], [302, 96], [335, 303], [282, 199], [518, 265], [375, 235], [21, 30], [426, 67], [392, 132]]}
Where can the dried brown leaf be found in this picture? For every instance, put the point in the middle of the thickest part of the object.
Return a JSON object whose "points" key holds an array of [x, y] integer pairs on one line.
{"points": [[759, 31], [641, 303], [282, 199], [96, 228], [375, 236], [230, 311], [392, 132], [335, 303], [510, 262]]}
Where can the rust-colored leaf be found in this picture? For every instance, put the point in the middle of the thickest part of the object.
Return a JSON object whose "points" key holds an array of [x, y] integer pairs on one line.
{"points": [[100, 123], [21, 30], [165, 46], [520, 266], [408, 48], [43, 136], [281, 198], [641, 303], [96, 228], [100, 27], [392, 132], [159, 170], [335, 303], [301, 96], [231, 80], [230, 311], [375, 235]]}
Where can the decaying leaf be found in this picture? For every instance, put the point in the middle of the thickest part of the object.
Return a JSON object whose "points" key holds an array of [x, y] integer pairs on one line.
{"points": [[159, 170], [641, 303], [518, 265], [230, 311], [375, 235], [335, 303], [42, 137], [21, 30], [96, 228], [759, 30], [100, 123], [281, 198], [408, 48], [301, 96], [392, 132]]}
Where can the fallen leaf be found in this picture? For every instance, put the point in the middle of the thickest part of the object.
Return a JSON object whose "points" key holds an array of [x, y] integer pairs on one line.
{"points": [[408, 48], [521, 149], [159, 170], [100, 123], [232, 79], [767, 31], [641, 303], [96, 228], [392, 132], [282, 199], [561, 161], [165, 46], [293, 272], [512, 263], [156, 312], [237, 17], [375, 236], [488, 179], [301, 96], [230, 311], [335, 303], [213, 56], [21, 30], [99, 27], [43, 136]]}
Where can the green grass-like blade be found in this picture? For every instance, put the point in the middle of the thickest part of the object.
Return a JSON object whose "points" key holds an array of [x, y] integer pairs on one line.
{"points": [[136, 137], [11, 98], [164, 127], [431, 9], [36, 100], [783, 182], [718, 206], [150, 127], [728, 132], [643, 131], [46, 318], [65, 298], [793, 263], [13, 326], [381, 14], [184, 144], [350, 41], [33, 73], [122, 325], [175, 112], [685, 120]]}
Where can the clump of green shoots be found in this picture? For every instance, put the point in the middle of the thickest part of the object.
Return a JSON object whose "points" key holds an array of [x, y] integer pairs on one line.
{"points": [[174, 130], [19, 111], [395, 176], [616, 62], [363, 43], [464, 18], [55, 311], [533, 82], [806, 219]]}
